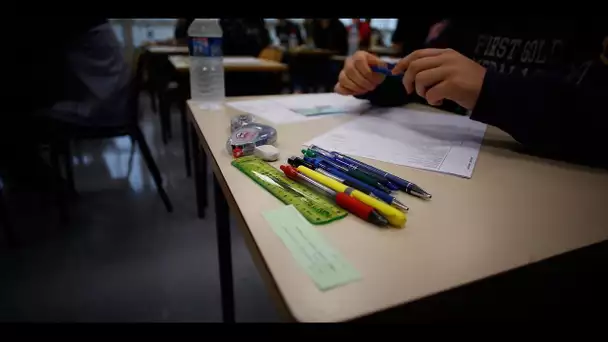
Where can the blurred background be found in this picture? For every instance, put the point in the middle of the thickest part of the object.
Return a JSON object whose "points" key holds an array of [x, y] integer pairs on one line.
{"points": [[132, 33]]}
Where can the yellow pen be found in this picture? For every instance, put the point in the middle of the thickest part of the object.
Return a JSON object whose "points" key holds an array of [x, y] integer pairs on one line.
{"points": [[394, 216]]}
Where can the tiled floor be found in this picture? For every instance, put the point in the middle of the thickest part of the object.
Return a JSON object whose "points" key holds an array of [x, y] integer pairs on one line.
{"points": [[123, 257]]}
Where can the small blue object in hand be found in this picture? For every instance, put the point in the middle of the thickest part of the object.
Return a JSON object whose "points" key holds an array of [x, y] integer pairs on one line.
{"points": [[385, 70]]}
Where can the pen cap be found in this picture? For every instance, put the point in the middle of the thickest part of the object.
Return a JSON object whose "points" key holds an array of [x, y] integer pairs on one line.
{"points": [[289, 171], [297, 161], [353, 205], [314, 162], [309, 153]]}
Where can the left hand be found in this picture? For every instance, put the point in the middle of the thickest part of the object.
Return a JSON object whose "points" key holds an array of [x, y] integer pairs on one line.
{"points": [[437, 74]]}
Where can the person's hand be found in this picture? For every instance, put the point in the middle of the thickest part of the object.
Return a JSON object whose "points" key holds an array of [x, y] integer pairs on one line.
{"points": [[357, 77], [437, 74]]}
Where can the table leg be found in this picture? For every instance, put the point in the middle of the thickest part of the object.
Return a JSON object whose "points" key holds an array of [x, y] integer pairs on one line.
{"points": [[222, 223], [200, 173], [164, 113], [185, 142]]}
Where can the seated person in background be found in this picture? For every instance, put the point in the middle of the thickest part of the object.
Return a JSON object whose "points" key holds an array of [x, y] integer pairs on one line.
{"points": [[181, 31], [330, 34], [365, 32], [180, 35], [93, 77], [244, 37], [285, 29], [412, 32], [537, 80], [375, 36], [82, 80], [308, 30]]}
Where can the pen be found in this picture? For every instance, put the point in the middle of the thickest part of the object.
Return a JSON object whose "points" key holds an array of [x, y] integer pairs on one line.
{"points": [[404, 185], [351, 204], [329, 155], [387, 71], [357, 184], [363, 177], [297, 161], [394, 216]]}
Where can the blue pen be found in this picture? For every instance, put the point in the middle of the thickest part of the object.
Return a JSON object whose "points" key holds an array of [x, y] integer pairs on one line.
{"points": [[404, 185], [372, 180], [389, 184], [387, 71], [357, 184]]}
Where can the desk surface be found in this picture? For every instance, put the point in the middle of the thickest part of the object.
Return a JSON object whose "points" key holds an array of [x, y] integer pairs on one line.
{"points": [[387, 59], [515, 210], [168, 49], [182, 64]]}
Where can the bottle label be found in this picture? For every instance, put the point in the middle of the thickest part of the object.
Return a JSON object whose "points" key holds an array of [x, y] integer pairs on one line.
{"points": [[205, 46]]}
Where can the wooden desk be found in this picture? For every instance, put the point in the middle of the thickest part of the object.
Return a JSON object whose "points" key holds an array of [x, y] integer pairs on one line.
{"points": [[233, 64], [515, 210], [168, 49], [309, 51]]}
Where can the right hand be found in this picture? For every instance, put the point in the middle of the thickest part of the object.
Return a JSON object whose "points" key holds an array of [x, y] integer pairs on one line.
{"points": [[356, 77]]}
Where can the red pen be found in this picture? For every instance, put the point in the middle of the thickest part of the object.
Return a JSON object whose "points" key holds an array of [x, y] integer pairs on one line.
{"points": [[351, 204]]}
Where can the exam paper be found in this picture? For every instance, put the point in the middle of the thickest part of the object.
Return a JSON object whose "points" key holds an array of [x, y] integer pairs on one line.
{"points": [[429, 141], [322, 263], [297, 108]]}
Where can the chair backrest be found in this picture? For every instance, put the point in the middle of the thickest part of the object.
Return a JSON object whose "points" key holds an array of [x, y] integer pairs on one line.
{"points": [[135, 86]]}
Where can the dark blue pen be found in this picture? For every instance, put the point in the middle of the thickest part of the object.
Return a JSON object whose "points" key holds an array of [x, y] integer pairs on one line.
{"points": [[389, 184], [346, 168], [355, 183], [387, 71], [403, 184]]}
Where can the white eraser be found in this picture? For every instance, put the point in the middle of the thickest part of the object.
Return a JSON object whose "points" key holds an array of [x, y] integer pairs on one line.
{"points": [[266, 152]]}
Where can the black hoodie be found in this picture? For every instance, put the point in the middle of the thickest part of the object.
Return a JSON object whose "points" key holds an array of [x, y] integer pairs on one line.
{"points": [[545, 81]]}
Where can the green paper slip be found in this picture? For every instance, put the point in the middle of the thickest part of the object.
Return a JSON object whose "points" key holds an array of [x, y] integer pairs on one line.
{"points": [[323, 264]]}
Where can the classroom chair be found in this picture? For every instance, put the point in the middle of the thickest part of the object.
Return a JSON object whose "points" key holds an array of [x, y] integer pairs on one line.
{"points": [[140, 56], [61, 137]]}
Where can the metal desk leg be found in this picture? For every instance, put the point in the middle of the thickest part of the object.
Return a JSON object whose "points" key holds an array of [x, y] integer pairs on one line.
{"points": [[164, 109], [185, 142], [222, 223], [200, 173]]}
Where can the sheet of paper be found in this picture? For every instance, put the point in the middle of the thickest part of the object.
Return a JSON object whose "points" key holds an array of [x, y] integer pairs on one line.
{"points": [[326, 267], [297, 108], [430, 141], [180, 62]]}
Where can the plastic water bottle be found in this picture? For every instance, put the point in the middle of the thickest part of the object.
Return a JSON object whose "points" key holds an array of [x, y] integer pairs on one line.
{"points": [[353, 40], [206, 63]]}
